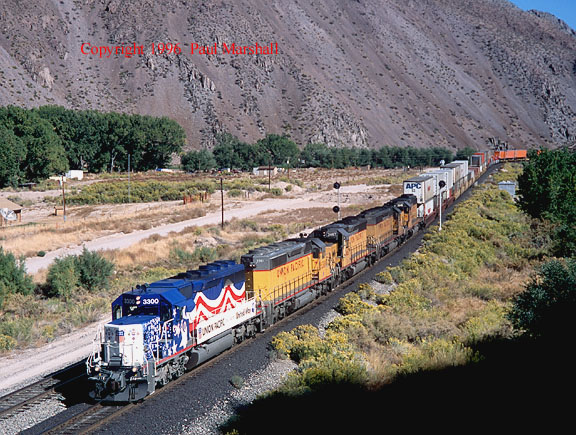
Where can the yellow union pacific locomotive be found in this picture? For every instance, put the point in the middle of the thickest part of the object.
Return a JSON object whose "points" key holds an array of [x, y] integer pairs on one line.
{"points": [[287, 275]]}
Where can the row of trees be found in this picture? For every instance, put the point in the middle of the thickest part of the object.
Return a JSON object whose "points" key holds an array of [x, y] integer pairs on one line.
{"points": [[38, 143], [230, 152], [547, 188]]}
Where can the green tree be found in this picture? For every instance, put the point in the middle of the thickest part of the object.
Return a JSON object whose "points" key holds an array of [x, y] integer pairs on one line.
{"points": [[45, 155], [547, 189], [62, 279], [224, 150], [277, 149], [382, 158], [364, 157], [93, 270], [164, 137], [246, 156], [67, 125], [13, 276], [547, 306], [202, 160], [316, 155], [12, 153], [465, 153]]}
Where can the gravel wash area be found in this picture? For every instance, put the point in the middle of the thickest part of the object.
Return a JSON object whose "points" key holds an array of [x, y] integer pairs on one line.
{"points": [[32, 416]]}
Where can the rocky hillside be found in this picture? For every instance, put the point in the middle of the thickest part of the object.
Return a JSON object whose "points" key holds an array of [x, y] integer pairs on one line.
{"points": [[363, 73]]}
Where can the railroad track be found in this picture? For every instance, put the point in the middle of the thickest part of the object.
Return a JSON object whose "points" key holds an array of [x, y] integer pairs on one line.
{"points": [[88, 420], [22, 399]]}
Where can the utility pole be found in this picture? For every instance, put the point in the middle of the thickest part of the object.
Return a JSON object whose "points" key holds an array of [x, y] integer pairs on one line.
{"points": [[129, 178], [63, 198], [269, 171], [441, 184], [222, 199]]}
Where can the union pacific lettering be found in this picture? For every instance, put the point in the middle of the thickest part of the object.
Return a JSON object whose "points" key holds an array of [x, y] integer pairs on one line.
{"points": [[291, 267], [357, 238]]}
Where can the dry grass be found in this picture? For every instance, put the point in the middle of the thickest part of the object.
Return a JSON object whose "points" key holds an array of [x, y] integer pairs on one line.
{"points": [[28, 240], [235, 239], [88, 222]]}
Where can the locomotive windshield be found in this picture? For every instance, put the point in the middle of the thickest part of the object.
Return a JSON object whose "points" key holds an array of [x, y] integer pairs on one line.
{"points": [[140, 310], [145, 306]]}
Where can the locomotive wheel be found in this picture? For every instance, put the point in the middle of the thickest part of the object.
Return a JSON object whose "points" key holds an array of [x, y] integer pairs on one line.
{"points": [[179, 371]]}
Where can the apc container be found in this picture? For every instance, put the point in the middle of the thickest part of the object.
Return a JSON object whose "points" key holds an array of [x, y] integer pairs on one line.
{"points": [[422, 186]]}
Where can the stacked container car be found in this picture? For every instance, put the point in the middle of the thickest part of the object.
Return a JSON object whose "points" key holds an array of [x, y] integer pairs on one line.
{"points": [[443, 196], [511, 155], [446, 175], [478, 163], [159, 330], [424, 188]]}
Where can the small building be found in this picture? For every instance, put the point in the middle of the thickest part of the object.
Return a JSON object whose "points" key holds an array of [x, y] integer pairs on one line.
{"points": [[265, 170], [508, 186], [16, 210], [75, 174]]}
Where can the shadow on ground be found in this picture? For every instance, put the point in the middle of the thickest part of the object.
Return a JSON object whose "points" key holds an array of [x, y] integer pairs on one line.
{"points": [[524, 384]]}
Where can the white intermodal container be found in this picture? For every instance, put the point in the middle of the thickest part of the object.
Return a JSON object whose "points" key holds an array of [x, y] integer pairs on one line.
{"points": [[422, 186], [451, 174], [465, 168], [429, 207], [447, 176], [458, 170], [441, 175]]}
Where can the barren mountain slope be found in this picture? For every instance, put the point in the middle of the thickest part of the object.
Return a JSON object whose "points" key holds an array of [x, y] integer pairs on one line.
{"points": [[362, 73]]}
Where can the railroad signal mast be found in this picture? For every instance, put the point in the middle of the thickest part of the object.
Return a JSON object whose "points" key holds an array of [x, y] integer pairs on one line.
{"points": [[337, 207]]}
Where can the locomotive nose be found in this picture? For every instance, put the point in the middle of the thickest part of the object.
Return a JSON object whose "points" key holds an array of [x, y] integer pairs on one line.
{"points": [[114, 386]]}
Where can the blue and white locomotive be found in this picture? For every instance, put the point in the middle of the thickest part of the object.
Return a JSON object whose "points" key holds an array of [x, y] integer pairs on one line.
{"points": [[160, 330]]}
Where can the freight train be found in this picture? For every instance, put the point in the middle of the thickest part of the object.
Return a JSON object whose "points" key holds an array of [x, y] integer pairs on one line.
{"points": [[160, 330]]}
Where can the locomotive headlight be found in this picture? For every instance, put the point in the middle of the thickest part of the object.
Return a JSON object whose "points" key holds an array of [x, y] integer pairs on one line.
{"points": [[96, 368], [134, 369]]}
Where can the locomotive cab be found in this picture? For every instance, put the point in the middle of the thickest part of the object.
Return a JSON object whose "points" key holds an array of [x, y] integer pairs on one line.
{"points": [[161, 329]]}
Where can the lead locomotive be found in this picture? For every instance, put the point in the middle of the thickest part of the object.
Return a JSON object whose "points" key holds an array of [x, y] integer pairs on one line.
{"points": [[160, 330]]}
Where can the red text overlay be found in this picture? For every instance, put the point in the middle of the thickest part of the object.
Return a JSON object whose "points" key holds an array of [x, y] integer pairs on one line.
{"points": [[169, 48]]}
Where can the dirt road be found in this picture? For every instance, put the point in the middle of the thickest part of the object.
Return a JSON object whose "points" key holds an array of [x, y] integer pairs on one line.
{"points": [[237, 210]]}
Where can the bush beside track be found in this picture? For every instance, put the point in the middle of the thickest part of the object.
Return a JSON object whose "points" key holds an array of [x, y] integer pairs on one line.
{"points": [[424, 340]]}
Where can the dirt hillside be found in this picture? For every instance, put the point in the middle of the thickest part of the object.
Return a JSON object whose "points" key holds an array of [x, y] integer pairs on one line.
{"points": [[362, 73]]}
